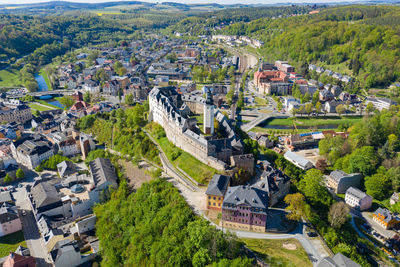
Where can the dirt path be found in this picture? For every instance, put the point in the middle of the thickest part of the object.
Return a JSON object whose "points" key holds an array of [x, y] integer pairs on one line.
{"points": [[136, 176]]}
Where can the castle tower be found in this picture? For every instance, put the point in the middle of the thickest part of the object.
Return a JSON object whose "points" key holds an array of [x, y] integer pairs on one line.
{"points": [[209, 114]]}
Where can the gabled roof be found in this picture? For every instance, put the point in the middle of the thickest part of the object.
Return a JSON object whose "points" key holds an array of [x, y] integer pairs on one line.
{"points": [[250, 196], [218, 185], [44, 193], [103, 171]]}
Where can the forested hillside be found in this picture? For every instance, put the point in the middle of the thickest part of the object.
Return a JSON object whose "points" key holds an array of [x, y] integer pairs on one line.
{"points": [[21, 35], [204, 23], [155, 227], [363, 41]]}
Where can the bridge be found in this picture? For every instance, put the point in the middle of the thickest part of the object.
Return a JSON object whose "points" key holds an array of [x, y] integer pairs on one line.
{"points": [[53, 93], [260, 119]]}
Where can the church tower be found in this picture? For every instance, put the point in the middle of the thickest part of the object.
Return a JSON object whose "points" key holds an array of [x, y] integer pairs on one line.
{"points": [[209, 114]]}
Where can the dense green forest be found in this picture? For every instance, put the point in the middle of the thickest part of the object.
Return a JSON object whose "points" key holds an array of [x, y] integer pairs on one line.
{"points": [[154, 226], [204, 23], [363, 41]]}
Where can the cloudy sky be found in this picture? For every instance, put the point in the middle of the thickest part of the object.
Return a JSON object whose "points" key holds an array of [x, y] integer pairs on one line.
{"points": [[185, 1]]}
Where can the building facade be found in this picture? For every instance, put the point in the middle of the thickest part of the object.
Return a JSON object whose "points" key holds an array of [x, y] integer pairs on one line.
{"points": [[245, 208]]}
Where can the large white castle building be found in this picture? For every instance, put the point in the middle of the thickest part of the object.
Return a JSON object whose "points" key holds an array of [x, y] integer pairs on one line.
{"points": [[170, 109]]}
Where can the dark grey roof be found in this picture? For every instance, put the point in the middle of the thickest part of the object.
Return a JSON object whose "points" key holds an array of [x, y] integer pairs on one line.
{"points": [[66, 168], [271, 180], [387, 215], [339, 260], [44, 193], [7, 213], [103, 171], [356, 193], [218, 185], [251, 196]]}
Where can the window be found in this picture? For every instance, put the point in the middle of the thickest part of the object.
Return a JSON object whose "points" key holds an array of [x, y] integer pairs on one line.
{"points": [[214, 198], [209, 203], [209, 197]]}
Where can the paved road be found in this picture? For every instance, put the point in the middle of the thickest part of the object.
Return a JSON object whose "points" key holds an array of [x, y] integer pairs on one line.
{"points": [[32, 236], [298, 234]]}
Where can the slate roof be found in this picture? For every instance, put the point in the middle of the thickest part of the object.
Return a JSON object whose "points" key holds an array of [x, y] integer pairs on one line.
{"points": [[66, 168], [218, 185], [356, 193], [7, 213], [387, 215], [44, 193], [238, 195], [103, 171], [339, 260]]}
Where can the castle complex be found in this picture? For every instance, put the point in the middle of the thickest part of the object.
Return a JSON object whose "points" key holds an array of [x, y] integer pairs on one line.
{"points": [[171, 110]]}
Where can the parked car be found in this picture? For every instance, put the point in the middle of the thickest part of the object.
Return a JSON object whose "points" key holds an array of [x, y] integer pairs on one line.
{"points": [[312, 234]]}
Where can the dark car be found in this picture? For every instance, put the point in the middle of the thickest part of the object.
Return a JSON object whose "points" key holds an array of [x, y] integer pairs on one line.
{"points": [[312, 234]]}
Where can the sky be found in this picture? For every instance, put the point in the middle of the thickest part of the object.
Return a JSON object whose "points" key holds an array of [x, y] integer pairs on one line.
{"points": [[186, 1]]}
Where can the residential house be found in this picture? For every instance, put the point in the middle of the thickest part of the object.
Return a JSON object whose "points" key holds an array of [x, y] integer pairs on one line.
{"points": [[357, 199], [86, 144], [330, 106], [245, 208], [91, 86], [69, 147], [216, 191], [111, 88], [325, 95], [385, 218], [264, 141], [339, 181], [31, 150], [394, 198], [69, 254], [17, 260], [275, 183], [9, 219], [298, 160]]}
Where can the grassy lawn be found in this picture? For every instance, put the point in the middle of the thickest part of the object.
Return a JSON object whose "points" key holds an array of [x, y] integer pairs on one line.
{"points": [[47, 104], [45, 75], [273, 253], [11, 242], [10, 78], [283, 131], [38, 107], [315, 121], [260, 101], [189, 164]]}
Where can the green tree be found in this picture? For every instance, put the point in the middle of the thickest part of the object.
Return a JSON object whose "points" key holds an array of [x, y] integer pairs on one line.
{"points": [[340, 109], [20, 174], [8, 178], [378, 185], [363, 160], [312, 186], [67, 101], [296, 206], [129, 100], [87, 97]]}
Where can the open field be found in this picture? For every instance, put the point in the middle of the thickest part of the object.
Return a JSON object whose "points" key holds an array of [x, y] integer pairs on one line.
{"points": [[10, 78], [39, 107], [315, 121], [284, 131], [11, 242], [285, 252]]}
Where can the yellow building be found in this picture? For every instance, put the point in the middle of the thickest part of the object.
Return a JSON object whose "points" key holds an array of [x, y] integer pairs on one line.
{"points": [[385, 218], [216, 191]]}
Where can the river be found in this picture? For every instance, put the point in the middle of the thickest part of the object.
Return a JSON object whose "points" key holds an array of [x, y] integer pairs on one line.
{"points": [[41, 83], [43, 88]]}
